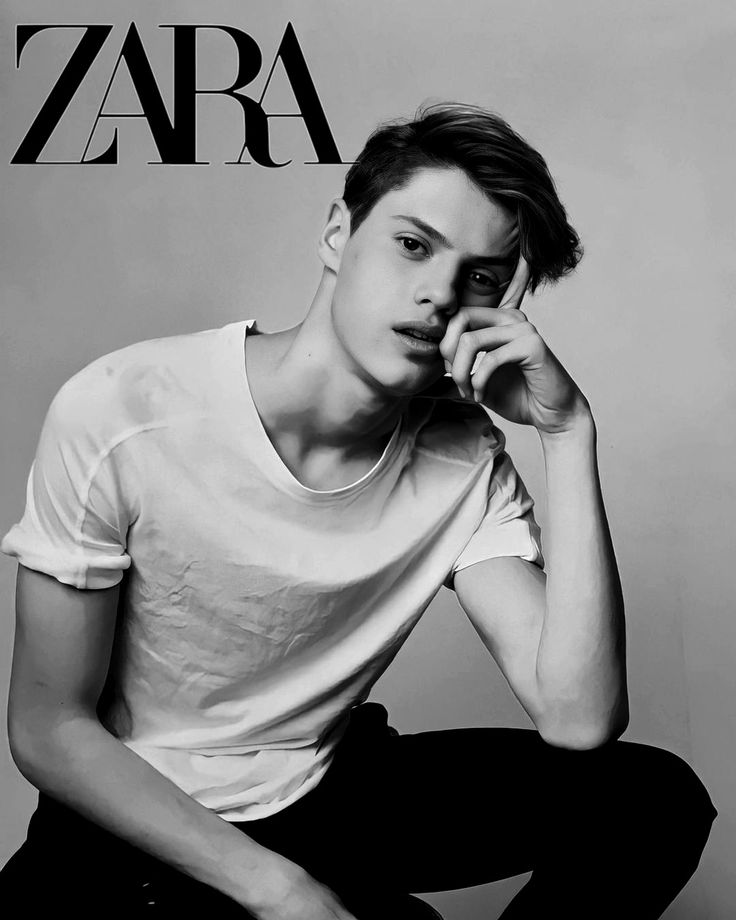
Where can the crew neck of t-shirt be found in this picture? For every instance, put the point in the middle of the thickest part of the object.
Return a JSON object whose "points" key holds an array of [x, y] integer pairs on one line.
{"points": [[261, 446]]}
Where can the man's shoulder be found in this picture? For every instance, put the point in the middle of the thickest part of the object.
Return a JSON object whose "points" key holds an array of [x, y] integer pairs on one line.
{"points": [[452, 428], [138, 385], [126, 364]]}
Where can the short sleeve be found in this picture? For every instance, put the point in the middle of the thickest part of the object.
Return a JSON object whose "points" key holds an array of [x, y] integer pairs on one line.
{"points": [[508, 527], [74, 525]]}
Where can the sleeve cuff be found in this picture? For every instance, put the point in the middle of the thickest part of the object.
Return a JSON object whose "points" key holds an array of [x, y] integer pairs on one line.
{"points": [[77, 570]]}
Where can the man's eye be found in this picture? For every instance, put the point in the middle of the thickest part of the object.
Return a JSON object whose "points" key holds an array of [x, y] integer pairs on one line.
{"points": [[486, 283], [411, 245]]}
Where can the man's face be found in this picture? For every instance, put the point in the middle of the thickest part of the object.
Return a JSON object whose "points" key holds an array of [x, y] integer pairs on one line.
{"points": [[424, 251]]}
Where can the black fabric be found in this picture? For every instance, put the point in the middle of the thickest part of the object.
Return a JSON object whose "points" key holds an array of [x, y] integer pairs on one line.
{"points": [[609, 833]]}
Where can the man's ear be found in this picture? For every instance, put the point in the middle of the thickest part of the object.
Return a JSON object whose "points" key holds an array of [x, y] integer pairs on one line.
{"points": [[335, 235]]}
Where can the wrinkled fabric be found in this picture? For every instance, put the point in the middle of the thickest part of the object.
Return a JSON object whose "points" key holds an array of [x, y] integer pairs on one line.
{"points": [[256, 611]]}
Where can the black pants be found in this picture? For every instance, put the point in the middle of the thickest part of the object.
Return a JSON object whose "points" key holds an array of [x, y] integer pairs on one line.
{"points": [[614, 832]]}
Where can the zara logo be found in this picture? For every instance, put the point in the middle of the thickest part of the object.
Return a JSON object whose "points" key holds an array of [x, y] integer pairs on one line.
{"points": [[175, 135]]}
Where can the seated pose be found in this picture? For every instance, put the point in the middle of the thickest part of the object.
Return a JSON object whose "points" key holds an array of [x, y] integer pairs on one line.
{"points": [[229, 535]]}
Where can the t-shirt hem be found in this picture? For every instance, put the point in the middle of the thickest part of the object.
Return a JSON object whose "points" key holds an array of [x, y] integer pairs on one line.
{"points": [[241, 816]]}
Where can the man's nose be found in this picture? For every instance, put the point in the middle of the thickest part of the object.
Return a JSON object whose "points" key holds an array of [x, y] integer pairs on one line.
{"points": [[438, 291]]}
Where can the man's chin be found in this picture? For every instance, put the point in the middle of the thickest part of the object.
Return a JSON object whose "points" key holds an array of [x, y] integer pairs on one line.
{"points": [[419, 384], [442, 386]]}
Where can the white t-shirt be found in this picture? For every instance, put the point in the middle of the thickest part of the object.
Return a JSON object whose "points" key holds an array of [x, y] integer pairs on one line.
{"points": [[257, 611]]}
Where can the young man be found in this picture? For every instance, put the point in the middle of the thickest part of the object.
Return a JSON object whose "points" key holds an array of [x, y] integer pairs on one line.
{"points": [[280, 509]]}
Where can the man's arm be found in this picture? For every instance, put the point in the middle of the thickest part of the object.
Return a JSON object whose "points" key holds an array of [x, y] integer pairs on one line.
{"points": [[560, 640], [62, 651], [560, 644]]}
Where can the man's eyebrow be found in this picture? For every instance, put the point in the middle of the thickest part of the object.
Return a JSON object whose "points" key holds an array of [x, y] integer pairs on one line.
{"points": [[440, 238]]}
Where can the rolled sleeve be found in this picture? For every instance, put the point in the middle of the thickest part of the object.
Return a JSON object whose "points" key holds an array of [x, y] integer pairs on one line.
{"points": [[74, 525], [508, 527]]}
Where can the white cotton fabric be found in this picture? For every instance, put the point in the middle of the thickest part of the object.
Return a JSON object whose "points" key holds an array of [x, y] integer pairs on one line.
{"points": [[257, 611]]}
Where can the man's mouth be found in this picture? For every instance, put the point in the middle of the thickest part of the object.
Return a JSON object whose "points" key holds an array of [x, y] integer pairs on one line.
{"points": [[418, 335], [422, 338]]}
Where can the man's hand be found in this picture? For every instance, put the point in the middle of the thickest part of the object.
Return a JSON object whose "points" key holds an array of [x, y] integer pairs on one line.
{"points": [[518, 376], [288, 892]]}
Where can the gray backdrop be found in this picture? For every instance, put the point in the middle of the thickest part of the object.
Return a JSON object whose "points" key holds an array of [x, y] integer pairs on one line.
{"points": [[632, 105]]}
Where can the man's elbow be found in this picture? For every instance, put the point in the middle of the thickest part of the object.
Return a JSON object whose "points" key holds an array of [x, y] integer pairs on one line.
{"points": [[39, 741], [585, 736], [24, 749]]}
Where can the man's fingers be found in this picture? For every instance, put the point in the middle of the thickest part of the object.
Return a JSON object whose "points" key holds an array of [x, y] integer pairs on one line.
{"points": [[516, 290], [510, 353], [480, 340], [479, 318], [472, 318]]}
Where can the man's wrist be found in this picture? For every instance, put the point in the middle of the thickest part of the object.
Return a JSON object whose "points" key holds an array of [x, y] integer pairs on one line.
{"points": [[579, 432], [263, 880]]}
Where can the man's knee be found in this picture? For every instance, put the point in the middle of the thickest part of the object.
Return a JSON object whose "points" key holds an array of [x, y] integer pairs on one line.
{"points": [[665, 803], [640, 785], [670, 784]]}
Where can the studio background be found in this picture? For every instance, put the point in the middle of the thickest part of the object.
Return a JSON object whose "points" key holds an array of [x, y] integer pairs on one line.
{"points": [[632, 106]]}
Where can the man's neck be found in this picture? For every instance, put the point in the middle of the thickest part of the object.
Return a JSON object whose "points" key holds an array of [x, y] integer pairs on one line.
{"points": [[328, 425]]}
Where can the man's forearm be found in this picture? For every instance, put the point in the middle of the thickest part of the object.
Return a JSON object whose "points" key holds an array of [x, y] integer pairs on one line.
{"points": [[80, 764], [581, 662]]}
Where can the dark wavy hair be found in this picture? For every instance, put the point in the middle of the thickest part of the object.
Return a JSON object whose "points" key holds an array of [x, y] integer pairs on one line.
{"points": [[500, 162]]}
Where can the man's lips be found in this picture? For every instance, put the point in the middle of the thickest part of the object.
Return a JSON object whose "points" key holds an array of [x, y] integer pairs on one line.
{"points": [[422, 330], [421, 338]]}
